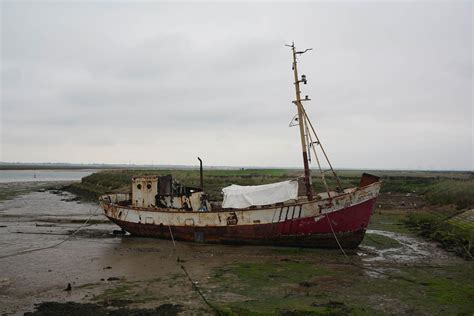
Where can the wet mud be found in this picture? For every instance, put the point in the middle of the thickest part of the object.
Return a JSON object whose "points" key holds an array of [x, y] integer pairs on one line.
{"points": [[392, 272], [402, 248]]}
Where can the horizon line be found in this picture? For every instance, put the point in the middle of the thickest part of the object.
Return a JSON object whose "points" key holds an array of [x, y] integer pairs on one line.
{"points": [[175, 166]]}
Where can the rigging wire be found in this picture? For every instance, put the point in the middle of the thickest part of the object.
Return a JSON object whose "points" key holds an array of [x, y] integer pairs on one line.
{"points": [[317, 159], [321, 145]]}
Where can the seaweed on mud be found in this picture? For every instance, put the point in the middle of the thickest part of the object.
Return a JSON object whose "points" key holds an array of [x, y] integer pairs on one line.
{"points": [[86, 309], [334, 308]]}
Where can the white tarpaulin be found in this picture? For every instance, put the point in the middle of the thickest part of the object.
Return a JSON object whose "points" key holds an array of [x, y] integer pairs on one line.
{"points": [[237, 196]]}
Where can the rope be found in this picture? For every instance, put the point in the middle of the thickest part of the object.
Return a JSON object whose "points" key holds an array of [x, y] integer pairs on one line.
{"points": [[322, 148], [172, 238], [193, 283], [196, 288], [335, 237], [323, 178], [57, 244]]}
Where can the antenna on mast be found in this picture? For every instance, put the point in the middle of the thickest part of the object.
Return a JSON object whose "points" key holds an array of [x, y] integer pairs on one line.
{"points": [[307, 142]]}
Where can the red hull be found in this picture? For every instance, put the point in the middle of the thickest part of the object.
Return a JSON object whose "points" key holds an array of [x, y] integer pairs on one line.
{"points": [[349, 225]]}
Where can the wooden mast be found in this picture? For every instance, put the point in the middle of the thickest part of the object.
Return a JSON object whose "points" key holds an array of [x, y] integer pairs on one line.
{"points": [[301, 120]]}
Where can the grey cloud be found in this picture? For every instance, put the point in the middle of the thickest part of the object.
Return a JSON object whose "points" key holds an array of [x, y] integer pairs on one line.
{"points": [[391, 83]]}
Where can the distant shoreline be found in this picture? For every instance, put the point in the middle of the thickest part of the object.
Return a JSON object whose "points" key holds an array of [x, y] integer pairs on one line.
{"points": [[52, 168], [67, 166]]}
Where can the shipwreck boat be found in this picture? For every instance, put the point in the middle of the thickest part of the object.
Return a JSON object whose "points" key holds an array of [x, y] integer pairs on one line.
{"points": [[287, 213]]}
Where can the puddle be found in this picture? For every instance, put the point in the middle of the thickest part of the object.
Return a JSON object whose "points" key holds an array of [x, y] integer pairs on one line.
{"points": [[407, 249]]}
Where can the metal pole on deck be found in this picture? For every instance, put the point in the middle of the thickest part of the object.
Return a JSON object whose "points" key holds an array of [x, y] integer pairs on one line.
{"points": [[200, 174]]}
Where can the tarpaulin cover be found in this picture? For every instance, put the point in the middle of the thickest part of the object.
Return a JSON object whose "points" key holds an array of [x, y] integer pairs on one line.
{"points": [[237, 196]]}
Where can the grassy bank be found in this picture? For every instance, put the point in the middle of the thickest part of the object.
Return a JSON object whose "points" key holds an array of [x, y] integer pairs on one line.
{"points": [[460, 193], [455, 232], [438, 187], [119, 180]]}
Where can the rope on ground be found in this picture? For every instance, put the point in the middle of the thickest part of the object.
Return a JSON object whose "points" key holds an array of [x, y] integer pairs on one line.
{"points": [[85, 224], [196, 288], [193, 283]]}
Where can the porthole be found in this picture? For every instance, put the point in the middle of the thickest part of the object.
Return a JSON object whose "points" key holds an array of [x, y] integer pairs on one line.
{"points": [[139, 186], [148, 186]]}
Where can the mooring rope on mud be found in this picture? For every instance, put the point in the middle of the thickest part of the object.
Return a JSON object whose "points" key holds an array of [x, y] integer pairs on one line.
{"points": [[196, 288], [172, 238], [193, 283], [85, 224], [335, 237]]}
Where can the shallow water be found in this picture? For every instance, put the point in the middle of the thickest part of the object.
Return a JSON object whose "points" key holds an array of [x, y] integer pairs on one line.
{"points": [[40, 219], [8, 176]]}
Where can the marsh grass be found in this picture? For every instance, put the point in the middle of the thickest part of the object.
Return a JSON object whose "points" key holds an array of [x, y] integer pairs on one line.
{"points": [[214, 180], [458, 192], [439, 188], [454, 234]]}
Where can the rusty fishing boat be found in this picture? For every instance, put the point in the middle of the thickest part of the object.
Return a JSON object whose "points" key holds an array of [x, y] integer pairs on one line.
{"points": [[287, 213]]}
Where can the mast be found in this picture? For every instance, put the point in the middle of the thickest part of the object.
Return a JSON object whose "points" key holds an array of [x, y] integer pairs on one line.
{"points": [[301, 120]]}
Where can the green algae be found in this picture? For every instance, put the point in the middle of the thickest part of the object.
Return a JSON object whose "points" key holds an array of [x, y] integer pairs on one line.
{"points": [[119, 292], [257, 275], [406, 290], [379, 241], [285, 287], [389, 221], [126, 293], [87, 285]]}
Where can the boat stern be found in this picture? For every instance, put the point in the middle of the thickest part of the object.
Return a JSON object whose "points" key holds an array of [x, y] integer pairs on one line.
{"points": [[109, 203]]}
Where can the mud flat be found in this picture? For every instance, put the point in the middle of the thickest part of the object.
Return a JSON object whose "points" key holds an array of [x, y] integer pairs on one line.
{"points": [[49, 240]]}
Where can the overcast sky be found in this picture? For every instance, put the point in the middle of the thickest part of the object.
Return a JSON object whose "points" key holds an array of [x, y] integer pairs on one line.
{"points": [[163, 83]]}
